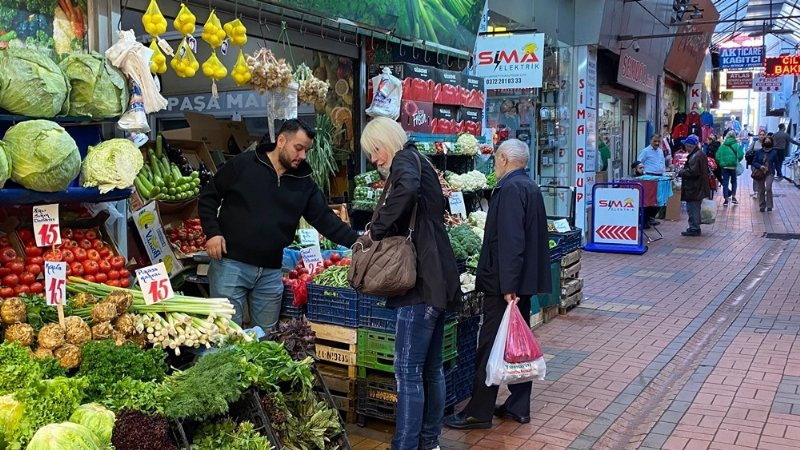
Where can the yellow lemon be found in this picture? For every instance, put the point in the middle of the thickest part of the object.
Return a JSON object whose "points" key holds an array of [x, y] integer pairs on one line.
{"points": [[188, 28], [220, 72], [191, 71]]}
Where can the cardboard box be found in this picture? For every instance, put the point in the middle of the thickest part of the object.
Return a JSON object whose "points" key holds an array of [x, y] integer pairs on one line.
{"points": [[226, 136], [673, 211], [418, 81], [416, 116], [470, 120], [448, 88], [473, 96], [149, 224], [445, 120], [196, 152]]}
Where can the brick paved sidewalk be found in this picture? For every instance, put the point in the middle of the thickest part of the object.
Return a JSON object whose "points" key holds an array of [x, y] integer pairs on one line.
{"points": [[691, 345]]}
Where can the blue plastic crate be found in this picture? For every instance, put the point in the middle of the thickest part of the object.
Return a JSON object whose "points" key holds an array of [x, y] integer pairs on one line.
{"points": [[337, 306], [373, 314], [287, 305], [570, 241], [451, 388], [467, 337], [558, 251]]}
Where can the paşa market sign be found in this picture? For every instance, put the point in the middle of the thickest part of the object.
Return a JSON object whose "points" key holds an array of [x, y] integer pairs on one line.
{"points": [[782, 65], [740, 58]]}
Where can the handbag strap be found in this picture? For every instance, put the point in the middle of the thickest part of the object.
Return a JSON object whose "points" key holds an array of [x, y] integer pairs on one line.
{"points": [[412, 223]]}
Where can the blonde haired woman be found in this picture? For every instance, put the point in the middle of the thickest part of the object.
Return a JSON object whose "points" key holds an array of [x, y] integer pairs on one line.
{"points": [[411, 182]]}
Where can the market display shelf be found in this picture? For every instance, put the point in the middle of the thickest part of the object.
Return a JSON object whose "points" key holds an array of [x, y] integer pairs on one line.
{"points": [[20, 196]]}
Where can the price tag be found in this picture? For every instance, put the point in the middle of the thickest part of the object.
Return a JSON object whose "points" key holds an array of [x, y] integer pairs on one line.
{"points": [[224, 48], [457, 205], [45, 225], [309, 236], [55, 282], [154, 283], [192, 45], [312, 258], [562, 226]]}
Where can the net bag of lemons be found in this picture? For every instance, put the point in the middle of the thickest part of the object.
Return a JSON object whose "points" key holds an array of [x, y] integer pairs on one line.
{"points": [[155, 24], [184, 63]]}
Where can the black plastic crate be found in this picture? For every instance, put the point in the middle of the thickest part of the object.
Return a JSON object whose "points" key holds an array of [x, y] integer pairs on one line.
{"points": [[462, 265], [471, 304], [570, 241], [556, 252], [337, 306], [460, 164], [377, 397], [451, 388], [287, 305], [373, 314], [468, 329]]}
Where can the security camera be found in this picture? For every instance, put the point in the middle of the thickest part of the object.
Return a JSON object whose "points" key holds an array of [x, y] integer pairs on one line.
{"points": [[635, 46]]}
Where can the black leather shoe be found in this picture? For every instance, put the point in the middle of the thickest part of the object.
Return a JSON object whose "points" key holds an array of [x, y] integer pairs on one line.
{"points": [[502, 412], [461, 421], [690, 233]]}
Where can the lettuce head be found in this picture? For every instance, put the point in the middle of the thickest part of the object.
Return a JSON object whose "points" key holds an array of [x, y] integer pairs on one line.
{"points": [[97, 89], [5, 165], [34, 85], [111, 164], [96, 418], [64, 436], [44, 157]]}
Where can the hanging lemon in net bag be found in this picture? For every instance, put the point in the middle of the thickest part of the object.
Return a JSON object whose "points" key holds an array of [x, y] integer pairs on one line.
{"points": [[214, 69], [185, 22], [158, 63], [184, 63], [236, 30], [240, 73], [213, 33], [155, 24]]}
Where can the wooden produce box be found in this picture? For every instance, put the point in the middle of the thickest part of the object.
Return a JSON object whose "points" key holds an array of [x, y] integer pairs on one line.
{"points": [[337, 345]]}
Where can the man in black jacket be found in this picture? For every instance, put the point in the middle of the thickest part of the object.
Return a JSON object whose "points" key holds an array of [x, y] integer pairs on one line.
{"points": [[250, 211], [514, 266]]}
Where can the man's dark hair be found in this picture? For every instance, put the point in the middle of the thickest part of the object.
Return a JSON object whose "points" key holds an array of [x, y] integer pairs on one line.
{"points": [[781, 127], [289, 127]]}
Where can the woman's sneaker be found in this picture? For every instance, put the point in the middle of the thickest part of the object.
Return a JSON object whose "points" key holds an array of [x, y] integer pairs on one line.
{"points": [[734, 201], [725, 203]]}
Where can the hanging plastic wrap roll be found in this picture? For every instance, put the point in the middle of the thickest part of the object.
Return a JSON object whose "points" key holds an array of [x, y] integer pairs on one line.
{"points": [[133, 59], [388, 90], [282, 105]]}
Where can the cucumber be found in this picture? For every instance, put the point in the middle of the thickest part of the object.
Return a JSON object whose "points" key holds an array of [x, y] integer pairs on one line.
{"points": [[137, 182], [158, 181], [159, 145]]}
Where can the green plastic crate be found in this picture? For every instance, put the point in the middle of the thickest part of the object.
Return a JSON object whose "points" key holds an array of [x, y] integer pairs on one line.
{"points": [[376, 349], [554, 297]]}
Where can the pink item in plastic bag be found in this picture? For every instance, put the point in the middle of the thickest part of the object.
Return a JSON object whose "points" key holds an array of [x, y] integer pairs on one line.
{"points": [[521, 345]]}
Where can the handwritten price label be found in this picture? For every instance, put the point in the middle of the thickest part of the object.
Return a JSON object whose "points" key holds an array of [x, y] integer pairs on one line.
{"points": [[309, 236], [457, 205], [312, 258], [154, 283], [55, 282], [45, 225], [562, 226]]}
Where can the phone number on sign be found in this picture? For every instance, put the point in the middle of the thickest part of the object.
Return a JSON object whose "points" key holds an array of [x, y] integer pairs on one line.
{"points": [[511, 80]]}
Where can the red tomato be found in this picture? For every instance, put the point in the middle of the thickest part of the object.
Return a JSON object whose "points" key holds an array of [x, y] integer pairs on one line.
{"points": [[73, 244], [90, 267], [114, 283], [36, 288], [69, 270], [335, 257], [69, 257], [101, 277], [51, 255], [27, 279], [124, 283], [80, 254], [16, 267], [93, 254], [4, 241], [10, 280], [98, 245], [4, 271], [78, 235], [90, 278], [22, 289], [25, 234], [113, 274], [91, 235], [66, 233], [105, 266], [6, 292], [7, 254], [117, 262], [33, 269], [105, 252], [123, 273], [33, 251], [77, 268], [327, 263], [85, 244]]}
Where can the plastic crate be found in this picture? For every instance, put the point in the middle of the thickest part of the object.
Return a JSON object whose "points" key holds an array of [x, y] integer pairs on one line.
{"points": [[373, 314], [556, 252], [377, 397], [451, 387], [337, 306], [462, 265], [376, 349], [287, 305], [471, 304], [460, 164], [468, 329], [570, 241]]}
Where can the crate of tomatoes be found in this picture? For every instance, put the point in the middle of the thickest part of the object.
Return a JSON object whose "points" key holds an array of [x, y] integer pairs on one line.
{"points": [[187, 237]]}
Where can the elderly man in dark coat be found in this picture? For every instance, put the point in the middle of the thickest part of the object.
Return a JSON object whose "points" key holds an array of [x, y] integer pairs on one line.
{"points": [[514, 266], [694, 185]]}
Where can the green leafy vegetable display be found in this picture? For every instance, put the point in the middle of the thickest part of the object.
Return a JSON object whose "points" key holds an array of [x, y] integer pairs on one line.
{"points": [[36, 87], [112, 164], [65, 436], [134, 430], [46, 402], [38, 313], [105, 364], [97, 419], [228, 435], [43, 156], [321, 157], [17, 370], [98, 89], [133, 394]]}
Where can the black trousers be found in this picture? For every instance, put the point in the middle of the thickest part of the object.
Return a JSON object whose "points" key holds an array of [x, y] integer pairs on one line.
{"points": [[481, 405], [781, 159]]}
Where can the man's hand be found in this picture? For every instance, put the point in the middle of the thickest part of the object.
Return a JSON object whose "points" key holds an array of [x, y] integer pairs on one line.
{"points": [[510, 298], [216, 247]]}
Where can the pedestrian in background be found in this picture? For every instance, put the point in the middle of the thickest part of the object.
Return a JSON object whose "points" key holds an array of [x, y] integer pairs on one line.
{"points": [[514, 266], [728, 157], [765, 160], [755, 145], [781, 148], [694, 187]]}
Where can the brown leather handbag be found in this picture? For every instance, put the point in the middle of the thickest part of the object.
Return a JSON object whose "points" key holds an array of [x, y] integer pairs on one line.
{"points": [[386, 268]]}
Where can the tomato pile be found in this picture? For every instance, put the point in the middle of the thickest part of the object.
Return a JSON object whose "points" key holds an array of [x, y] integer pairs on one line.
{"points": [[299, 277], [20, 275], [188, 236]]}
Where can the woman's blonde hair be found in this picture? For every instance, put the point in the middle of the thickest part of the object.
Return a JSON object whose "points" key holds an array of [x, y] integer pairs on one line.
{"points": [[385, 133]]}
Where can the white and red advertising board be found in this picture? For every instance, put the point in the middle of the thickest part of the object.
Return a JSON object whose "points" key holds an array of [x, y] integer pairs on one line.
{"points": [[616, 217], [513, 61]]}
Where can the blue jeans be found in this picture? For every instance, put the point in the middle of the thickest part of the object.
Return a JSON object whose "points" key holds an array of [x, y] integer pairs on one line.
{"points": [[729, 176], [694, 208], [420, 377], [260, 288]]}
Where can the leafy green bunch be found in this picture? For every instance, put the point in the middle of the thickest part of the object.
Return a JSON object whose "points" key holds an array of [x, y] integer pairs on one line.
{"points": [[464, 242]]}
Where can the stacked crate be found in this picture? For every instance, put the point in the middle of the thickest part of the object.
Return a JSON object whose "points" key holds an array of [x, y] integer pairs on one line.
{"points": [[288, 310], [571, 284]]}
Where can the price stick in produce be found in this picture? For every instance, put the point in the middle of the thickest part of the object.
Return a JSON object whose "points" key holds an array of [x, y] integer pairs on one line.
{"points": [[309, 236], [312, 258], [55, 281], [154, 283], [45, 225], [457, 205]]}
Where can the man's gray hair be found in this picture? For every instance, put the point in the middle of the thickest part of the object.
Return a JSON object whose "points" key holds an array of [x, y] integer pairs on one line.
{"points": [[731, 134], [515, 150]]}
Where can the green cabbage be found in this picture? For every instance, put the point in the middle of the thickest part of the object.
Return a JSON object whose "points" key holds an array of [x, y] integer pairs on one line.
{"points": [[43, 156], [34, 86], [111, 164], [96, 418], [5, 165], [64, 436], [10, 417], [98, 89]]}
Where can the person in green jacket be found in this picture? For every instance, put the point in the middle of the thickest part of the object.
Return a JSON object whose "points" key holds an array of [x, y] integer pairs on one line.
{"points": [[605, 154], [728, 157]]}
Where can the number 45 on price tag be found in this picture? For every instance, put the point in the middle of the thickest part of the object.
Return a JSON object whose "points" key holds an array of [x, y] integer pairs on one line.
{"points": [[45, 225], [154, 283]]}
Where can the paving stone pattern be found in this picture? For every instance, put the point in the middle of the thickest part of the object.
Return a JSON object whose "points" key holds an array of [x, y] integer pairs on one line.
{"points": [[710, 321]]}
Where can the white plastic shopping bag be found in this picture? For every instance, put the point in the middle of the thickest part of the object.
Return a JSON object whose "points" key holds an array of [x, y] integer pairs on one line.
{"points": [[499, 371], [708, 211]]}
